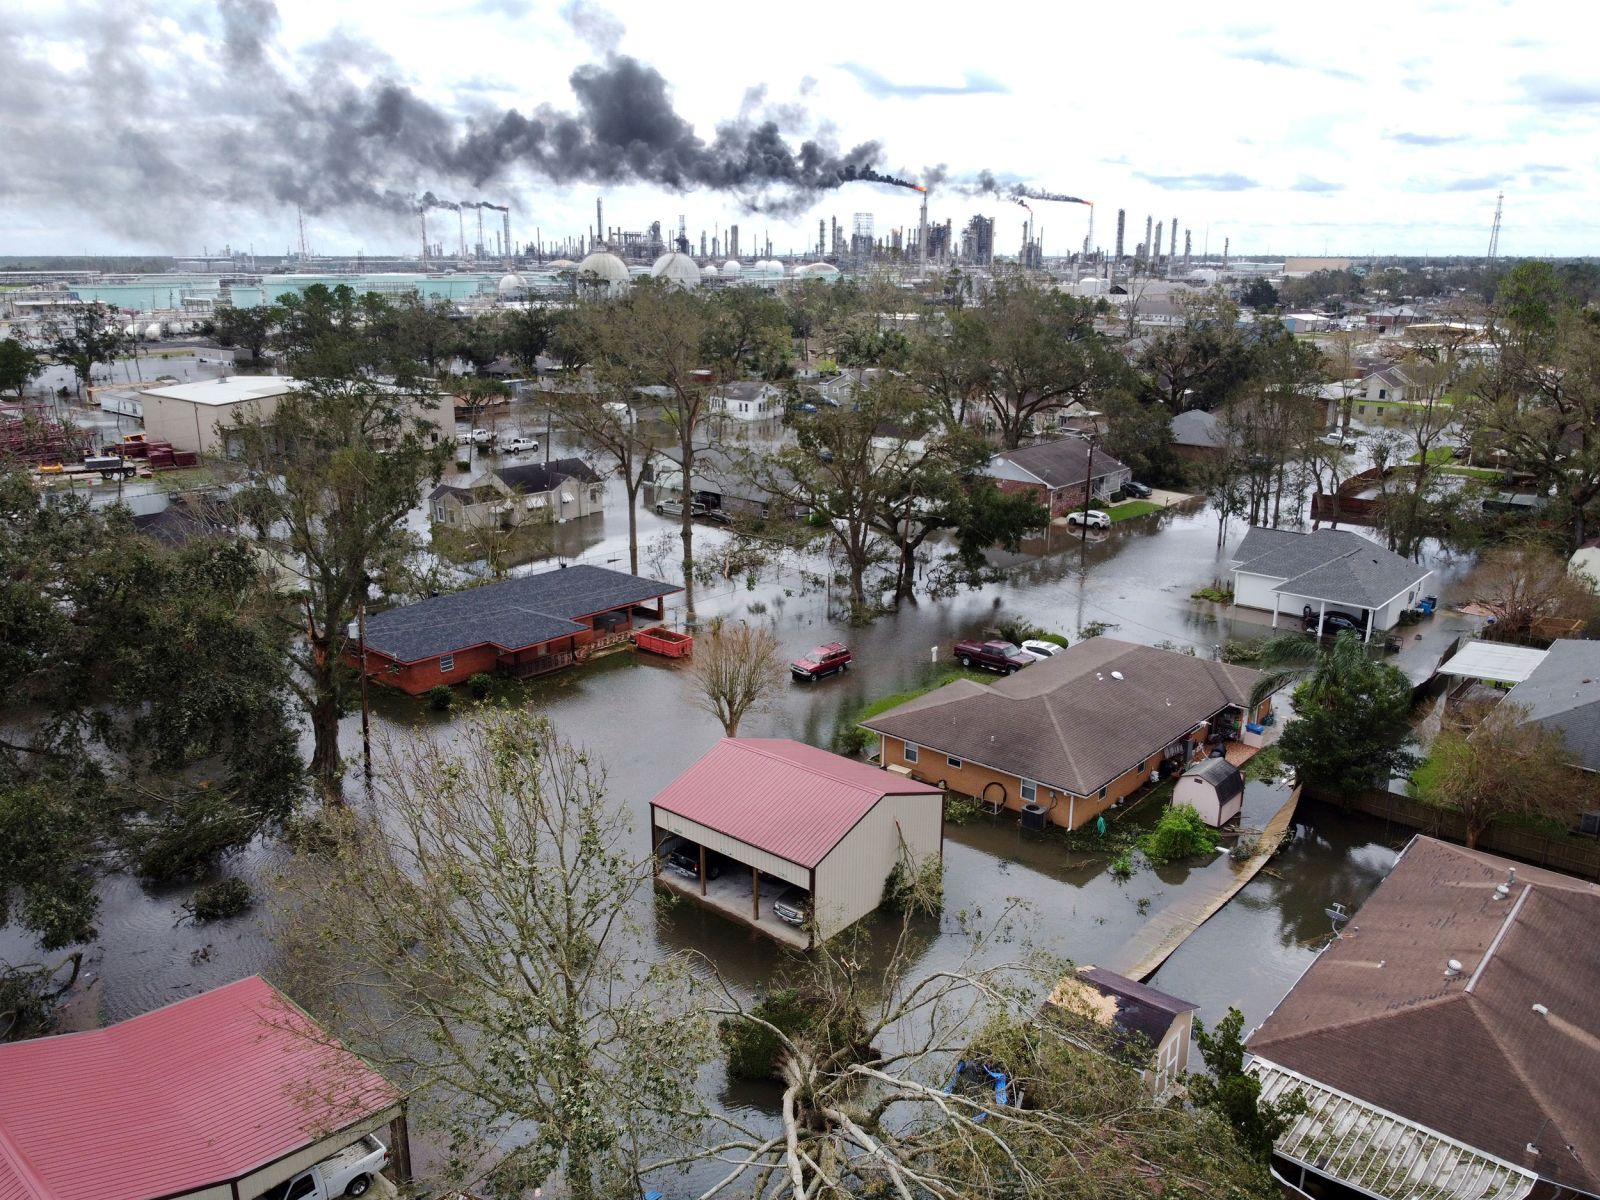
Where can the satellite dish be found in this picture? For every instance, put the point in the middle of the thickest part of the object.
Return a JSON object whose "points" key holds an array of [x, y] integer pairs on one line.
{"points": [[1116, 674], [1337, 913]]}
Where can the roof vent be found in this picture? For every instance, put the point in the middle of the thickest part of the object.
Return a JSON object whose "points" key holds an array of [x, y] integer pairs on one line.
{"points": [[1541, 1010], [1116, 675], [1452, 968], [1501, 891]]}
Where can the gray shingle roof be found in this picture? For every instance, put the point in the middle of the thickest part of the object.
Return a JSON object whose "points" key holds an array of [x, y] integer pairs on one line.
{"points": [[1200, 428], [1328, 564], [513, 615], [1563, 694], [1067, 722], [533, 478], [1062, 463]]}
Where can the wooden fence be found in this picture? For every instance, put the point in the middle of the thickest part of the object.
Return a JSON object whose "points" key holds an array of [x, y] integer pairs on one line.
{"points": [[1570, 853]]}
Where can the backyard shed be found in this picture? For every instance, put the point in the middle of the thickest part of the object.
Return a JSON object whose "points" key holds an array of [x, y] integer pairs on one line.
{"points": [[1150, 1030], [220, 1096], [1214, 788], [776, 813]]}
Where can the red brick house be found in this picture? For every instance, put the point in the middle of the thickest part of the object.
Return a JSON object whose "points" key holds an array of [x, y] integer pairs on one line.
{"points": [[526, 626], [1057, 473]]}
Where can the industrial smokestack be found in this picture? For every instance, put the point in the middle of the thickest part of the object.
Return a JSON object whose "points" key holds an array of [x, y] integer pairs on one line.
{"points": [[599, 221], [1155, 256], [505, 216], [1122, 222], [1146, 245], [1172, 254], [1225, 242], [422, 215], [922, 229], [1188, 248]]}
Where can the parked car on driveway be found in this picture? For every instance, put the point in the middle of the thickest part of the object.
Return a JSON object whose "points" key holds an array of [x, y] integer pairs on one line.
{"points": [[476, 437], [1041, 650], [519, 445], [826, 659], [348, 1173], [683, 857], [1004, 657], [1333, 621], [674, 508], [793, 906], [1140, 491], [1093, 518]]}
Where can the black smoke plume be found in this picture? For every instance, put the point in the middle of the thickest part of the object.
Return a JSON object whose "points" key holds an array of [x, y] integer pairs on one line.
{"points": [[146, 150]]}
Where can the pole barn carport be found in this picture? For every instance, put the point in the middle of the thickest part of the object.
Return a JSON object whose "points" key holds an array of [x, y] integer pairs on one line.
{"points": [[830, 825], [217, 1097]]}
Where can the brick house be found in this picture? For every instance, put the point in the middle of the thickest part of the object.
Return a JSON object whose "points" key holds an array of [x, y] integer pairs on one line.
{"points": [[1057, 473], [526, 626], [1075, 734]]}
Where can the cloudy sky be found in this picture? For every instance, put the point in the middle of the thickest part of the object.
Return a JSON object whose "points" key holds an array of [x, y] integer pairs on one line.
{"points": [[1355, 128]]}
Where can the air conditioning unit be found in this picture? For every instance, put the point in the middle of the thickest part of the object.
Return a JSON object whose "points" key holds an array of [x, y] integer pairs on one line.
{"points": [[1033, 817], [1589, 823]]}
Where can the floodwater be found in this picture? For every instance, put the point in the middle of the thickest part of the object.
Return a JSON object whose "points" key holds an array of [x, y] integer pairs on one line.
{"points": [[634, 714]]}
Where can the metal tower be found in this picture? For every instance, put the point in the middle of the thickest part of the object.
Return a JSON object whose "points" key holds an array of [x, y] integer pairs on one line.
{"points": [[1494, 231]]}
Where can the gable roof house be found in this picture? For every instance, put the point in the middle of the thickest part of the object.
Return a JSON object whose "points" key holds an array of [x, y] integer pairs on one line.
{"points": [[1071, 736], [1562, 693], [1199, 436], [1448, 1041], [1324, 571], [555, 491], [1058, 473], [528, 625], [747, 400]]}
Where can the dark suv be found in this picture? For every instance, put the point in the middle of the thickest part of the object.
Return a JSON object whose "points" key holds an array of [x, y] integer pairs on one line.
{"points": [[824, 660], [683, 856], [1139, 491], [1333, 621]]}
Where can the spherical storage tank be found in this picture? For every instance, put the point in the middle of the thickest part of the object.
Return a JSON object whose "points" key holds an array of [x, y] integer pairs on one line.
{"points": [[731, 269], [511, 285], [604, 272], [677, 269], [152, 331], [709, 271]]}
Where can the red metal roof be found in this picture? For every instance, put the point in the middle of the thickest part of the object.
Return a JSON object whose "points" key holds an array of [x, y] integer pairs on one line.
{"points": [[199, 1092], [781, 796]]}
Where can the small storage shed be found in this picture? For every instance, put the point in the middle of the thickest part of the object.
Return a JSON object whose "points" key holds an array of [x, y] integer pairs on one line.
{"points": [[781, 813], [1214, 788], [1150, 1029], [217, 1097]]}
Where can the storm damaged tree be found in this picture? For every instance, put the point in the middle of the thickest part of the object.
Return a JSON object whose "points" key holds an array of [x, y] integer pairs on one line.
{"points": [[1496, 763], [873, 1104], [736, 667], [330, 475], [477, 937], [146, 719]]}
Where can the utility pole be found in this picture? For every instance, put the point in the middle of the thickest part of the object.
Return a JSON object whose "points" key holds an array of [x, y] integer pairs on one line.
{"points": [[366, 707], [1088, 495]]}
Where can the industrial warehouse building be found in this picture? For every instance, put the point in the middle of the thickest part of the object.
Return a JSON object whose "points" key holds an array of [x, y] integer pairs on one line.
{"points": [[526, 626], [197, 416], [782, 813], [217, 1097]]}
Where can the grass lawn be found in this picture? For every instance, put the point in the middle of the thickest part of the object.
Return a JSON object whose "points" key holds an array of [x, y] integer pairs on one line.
{"points": [[850, 738], [1438, 456], [1131, 509]]}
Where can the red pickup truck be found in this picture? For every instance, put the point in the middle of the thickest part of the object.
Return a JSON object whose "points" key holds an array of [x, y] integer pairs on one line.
{"points": [[1004, 657]]}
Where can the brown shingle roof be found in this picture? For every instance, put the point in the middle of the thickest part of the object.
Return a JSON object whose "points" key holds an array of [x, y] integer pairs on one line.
{"points": [[1068, 722], [1468, 1056]]}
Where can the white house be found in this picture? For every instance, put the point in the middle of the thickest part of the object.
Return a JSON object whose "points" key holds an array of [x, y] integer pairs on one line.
{"points": [[510, 496], [1325, 571], [747, 400]]}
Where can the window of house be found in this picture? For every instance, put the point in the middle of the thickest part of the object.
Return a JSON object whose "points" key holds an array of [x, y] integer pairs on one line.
{"points": [[1030, 791], [1102, 793], [1360, 409], [911, 752], [447, 662], [953, 761], [1383, 393], [594, 495]]}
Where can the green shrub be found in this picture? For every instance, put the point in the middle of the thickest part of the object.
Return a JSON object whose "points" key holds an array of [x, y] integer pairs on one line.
{"points": [[1015, 629], [219, 901], [463, 464], [1094, 629], [1248, 651], [1122, 865], [441, 697], [1179, 834], [1218, 595], [959, 809], [480, 685]]}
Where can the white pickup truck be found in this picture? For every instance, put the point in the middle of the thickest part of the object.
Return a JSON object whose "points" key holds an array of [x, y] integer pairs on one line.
{"points": [[348, 1173]]}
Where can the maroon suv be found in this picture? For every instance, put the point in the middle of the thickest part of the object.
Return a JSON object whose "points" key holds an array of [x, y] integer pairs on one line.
{"points": [[824, 660]]}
